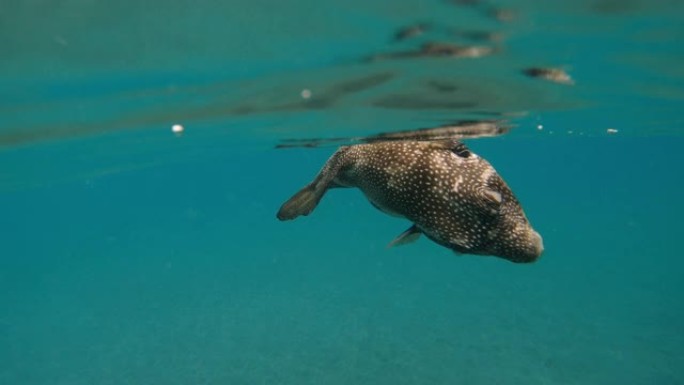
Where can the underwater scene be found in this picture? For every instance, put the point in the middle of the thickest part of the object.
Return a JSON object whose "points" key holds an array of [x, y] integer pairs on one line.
{"points": [[530, 156]]}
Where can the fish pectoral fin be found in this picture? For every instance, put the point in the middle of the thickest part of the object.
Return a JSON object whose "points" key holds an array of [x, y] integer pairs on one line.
{"points": [[410, 235]]}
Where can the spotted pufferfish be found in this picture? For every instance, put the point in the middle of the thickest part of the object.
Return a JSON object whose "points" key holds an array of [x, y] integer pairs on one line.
{"points": [[450, 194]]}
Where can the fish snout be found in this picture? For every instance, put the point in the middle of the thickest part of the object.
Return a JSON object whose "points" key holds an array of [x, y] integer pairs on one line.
{"points": [[537, 245], [534, 250]]}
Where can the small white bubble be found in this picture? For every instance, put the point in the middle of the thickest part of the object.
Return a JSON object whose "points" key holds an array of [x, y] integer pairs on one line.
{"points": [[612, 131], [306, 93], [177, 128], [540, 127]]}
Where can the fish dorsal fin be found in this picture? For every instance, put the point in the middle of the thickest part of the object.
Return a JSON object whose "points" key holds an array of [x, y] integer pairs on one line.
{"points": [[408, 236]]}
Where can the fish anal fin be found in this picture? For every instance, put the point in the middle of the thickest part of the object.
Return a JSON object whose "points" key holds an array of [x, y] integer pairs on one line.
{"points": [[410, 235]]}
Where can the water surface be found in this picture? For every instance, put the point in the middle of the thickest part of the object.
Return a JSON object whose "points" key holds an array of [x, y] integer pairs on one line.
{"points": [[134, 255]]}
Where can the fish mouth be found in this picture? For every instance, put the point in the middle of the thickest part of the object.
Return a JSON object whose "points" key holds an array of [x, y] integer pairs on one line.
{"points": [[533, 252]]}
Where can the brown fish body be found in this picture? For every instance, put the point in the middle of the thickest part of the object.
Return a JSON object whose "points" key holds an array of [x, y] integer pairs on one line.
{"points": [[451, 195]]}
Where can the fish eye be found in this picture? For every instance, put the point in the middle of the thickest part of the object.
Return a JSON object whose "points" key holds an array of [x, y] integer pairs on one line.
{"points": [[461, 150]]}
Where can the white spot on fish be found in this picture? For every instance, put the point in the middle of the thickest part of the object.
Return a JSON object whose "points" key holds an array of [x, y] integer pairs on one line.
{"points": [[458, 183]]}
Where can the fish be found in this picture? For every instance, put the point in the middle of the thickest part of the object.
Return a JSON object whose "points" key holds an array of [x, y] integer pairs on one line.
{"points": [[450, 194]]}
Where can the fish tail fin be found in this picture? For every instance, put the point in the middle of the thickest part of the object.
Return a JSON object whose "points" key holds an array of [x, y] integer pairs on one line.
{"points": [[302, 203], [306, 200]]}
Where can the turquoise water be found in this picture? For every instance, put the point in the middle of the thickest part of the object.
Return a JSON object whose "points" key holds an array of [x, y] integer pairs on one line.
{"points": [[132, 255]]}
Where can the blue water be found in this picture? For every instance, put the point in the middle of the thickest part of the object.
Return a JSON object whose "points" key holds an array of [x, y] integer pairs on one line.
{"points": [[131, 255]]}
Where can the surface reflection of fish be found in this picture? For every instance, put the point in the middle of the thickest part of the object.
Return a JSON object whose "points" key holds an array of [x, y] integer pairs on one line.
{"points": [[454, 50], [454, 197], [459, 130], [325, 97], [555, 75], [435, 49], [478, 35]]}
